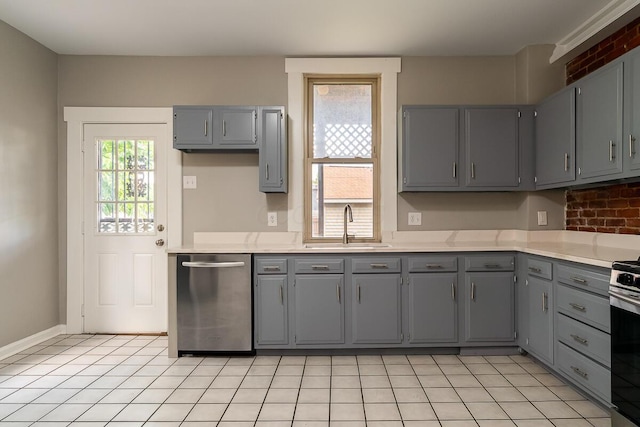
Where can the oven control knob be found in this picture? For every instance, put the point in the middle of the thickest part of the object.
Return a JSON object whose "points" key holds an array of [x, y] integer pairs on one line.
{"points": [[636, 282], [626, 279]]}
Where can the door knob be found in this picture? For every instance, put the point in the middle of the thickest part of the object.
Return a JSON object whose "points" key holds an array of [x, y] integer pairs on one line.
{"points": [[159, 242], [160, 227]]}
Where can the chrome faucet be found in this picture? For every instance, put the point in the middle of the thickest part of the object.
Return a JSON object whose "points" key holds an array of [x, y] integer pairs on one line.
{"points": [[348, 216]]}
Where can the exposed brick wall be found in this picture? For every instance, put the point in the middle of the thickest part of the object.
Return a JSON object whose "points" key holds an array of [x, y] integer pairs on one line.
{"points": [[613, 209], [604, 52]]}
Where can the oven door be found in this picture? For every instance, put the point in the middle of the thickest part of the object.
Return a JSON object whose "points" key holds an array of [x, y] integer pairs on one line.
{"points": [[625, 355]]}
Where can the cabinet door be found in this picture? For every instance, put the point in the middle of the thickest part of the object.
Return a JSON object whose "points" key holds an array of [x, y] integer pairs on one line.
{"points": [[540, 318], [491, 145], [429, 148], [599, 123], [192, 127], [522, 303], [555, 139], [489, 314], [631, 149], [273, 150], [236, 127], [433, 308], [271, 310], [319, 309], [376, 308]]}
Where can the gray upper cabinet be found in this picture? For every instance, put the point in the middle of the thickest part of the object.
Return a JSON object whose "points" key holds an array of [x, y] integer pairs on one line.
{"points": [[599, 124], [236, 127], [319, 309], [489, 307], [631, 147], [556, 140], [376, 310], [192, 127], [273, 150], [429, 148], [433, 308], [491, 147]]}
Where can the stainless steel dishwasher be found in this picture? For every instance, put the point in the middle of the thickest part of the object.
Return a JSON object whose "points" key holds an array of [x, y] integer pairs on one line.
{"points": [[214, 303]]}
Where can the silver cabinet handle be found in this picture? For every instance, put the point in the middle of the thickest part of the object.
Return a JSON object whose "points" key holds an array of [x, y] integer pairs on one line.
{"points": [[611, 152], [266, 173], [379, 265], [271, 268], [566, 162], [200, 264], [473, 170], [358, 293], [578, 307], [453, 291], [580, 280], [319, 267], [434, 266], [535, 269], [224, 128], [632, 141], [206, 128], [473, 291], [488, 265], [455, 169], [545, 303], [338, 292], [579, 339], [281, 296], [580, 372]]}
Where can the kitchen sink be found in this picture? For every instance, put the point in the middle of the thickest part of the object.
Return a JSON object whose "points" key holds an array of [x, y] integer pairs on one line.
{"points": [[342, 246]]}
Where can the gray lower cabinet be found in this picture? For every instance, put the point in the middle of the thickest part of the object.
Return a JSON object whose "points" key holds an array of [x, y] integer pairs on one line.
{"points": [[433, 308], [540, 310], [272, 158], [319, 309], [376, 309], [271, 310], [489, 307]]}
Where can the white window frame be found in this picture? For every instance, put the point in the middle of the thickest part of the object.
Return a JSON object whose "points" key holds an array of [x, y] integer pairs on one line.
{"points": [[387, 69]]}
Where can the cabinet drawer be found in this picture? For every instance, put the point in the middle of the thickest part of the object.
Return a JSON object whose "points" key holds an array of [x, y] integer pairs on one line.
{"points": [[271, 266], [539, 268], [319, 265], [584, 371], [490, 263], [433, 264], [584, 279], [585, 339], [376, 265], [585, 307]]}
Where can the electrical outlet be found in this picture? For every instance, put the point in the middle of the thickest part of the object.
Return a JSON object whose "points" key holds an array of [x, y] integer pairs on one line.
{"points": [[415, 218], [189, 182], [272, 219], [542, 217]]}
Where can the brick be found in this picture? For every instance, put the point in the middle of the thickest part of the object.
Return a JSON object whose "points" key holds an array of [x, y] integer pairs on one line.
{"points": [[588, 213], [617, 203], [630, 192], [634, 203], [629, 213], [573, 213], [596, 64], [604, 50], [587, 229], [569, 197], [605, 230], [576, 221], [597, 204], [571, 228], [629, 231], [606, 213], [633, 222], [597, 222], [615, 222]]}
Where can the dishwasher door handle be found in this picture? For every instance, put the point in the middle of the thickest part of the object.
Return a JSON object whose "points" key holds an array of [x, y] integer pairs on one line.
{"points": [[202, 264]]}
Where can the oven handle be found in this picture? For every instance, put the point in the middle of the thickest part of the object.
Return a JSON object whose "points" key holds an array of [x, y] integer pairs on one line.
{"points": [[632, 301]]}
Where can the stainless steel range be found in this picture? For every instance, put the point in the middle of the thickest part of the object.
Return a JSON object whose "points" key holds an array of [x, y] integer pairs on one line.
{"points": [[624, 297]]}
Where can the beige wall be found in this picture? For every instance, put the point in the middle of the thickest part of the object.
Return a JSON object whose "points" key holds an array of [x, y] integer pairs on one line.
{"points": [[28, 199]]}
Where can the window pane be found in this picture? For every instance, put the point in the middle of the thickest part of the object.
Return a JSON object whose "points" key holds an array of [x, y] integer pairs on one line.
{"points": [[342, 120], [333, 186]]}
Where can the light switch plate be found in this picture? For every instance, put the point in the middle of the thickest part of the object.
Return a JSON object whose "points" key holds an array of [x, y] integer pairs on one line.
{"points": [[189, 182], [415, 218], [272, 219], [542, 217]]}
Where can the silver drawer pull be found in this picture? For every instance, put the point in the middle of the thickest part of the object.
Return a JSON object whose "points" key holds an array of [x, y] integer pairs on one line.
{"points": [[473, 291], [580, 372], [271, 268], [545, 302], [453, 291], [566, 162], [579, 339], [206, 128], [338, 292], [319, 267], [579, 280], [434, 266], [379, 265], [488, 265], [578, 306], [612, 154], [535, 269], [281, 296]]}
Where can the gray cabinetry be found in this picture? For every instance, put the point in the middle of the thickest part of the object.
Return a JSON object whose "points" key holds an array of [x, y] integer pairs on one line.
{"points": [[271, 301], [214, 128], [599, 124], [376, 314], [192, 127], [429, 148], [489, 313], [273, 150], [631, 145], [540, 310], [555, 140], [319, 308], [236, 126], [491, 147]]}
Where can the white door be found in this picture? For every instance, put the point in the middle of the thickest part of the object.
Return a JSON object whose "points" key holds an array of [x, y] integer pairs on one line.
{"points": [[125, 211]]}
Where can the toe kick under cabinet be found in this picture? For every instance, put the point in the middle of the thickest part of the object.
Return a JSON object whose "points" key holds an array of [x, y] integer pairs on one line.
{"points": [[383, 300]]}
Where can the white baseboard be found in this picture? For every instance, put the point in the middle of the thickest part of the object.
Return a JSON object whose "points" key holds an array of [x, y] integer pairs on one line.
{"points": [[30, 341]]}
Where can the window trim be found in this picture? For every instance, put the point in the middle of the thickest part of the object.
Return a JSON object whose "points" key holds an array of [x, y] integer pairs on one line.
{"points": [[388, 68], [309, 81]]}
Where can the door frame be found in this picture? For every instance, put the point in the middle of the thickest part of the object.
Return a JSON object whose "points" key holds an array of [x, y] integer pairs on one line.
{"points": [[76, 118]]}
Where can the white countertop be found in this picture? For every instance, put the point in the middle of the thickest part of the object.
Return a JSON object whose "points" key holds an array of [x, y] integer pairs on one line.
{"points": [[596, 249]]}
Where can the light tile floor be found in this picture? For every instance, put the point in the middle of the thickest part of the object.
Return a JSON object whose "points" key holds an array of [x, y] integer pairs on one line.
{"points": [[97, 380]]}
